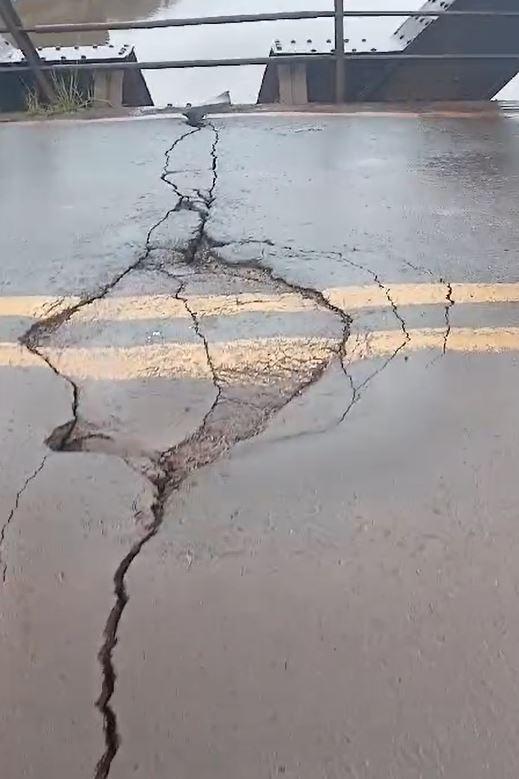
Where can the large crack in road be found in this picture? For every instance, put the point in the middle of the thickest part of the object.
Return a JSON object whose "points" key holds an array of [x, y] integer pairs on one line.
{"points": [[207, 443], [449, 304], [230, 418], [41, 330]]}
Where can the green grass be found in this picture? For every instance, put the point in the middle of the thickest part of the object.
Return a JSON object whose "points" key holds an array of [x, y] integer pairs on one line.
{"points": [[70, 97]]}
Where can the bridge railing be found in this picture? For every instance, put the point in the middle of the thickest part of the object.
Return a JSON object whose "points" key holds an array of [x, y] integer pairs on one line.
{"points": [[22, 36]]}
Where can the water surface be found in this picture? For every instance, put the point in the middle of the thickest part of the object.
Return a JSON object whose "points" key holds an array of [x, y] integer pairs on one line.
{"points": [[178, 87]]}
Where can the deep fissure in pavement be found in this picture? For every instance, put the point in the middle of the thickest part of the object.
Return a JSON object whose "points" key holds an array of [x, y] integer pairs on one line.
{"points": [[40, 331], [164, 483], [204, 446], [105, 656], [449, 304], [356, 390], [211, 439]]}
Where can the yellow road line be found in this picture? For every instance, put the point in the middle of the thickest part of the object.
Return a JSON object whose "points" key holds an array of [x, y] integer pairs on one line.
{"points": [[485, 293], [258, 360], [355, 298], [461, 339], [33, 305], [168, 307], [359, 297], [350, 298], [250, 360]]}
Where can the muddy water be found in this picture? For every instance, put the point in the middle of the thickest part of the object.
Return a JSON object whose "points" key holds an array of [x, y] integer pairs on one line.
{"points": [[178, 87]]}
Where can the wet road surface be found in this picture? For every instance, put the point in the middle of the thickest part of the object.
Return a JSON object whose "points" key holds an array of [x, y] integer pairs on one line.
{"points": [[259, 441]]}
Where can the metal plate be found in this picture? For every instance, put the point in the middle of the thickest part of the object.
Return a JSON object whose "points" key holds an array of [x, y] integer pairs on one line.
{"points": [[10, 55], [454, 79], [434, 80]]}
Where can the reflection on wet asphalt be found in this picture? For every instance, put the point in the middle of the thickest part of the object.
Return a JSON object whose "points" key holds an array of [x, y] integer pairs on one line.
{"points": [[259, 423]]}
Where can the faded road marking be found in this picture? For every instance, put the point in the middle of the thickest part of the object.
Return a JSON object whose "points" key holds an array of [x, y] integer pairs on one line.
{"points": [[168, 307], [125, 308], [461, 339], [242, 361], [250, 360], [356, 298], [350, 298], [372, 296], [34, 306]]}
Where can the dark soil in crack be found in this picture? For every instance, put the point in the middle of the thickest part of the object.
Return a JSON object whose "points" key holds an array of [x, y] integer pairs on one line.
{"points": [[448, 305], [112, 737], [228, 420], [319, 297], [37, 335], [214, 437], [218, 432]]}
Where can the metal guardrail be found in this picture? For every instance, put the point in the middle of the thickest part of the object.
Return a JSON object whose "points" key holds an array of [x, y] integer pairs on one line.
{"points": [[195, 21], [20, 33], [27, 47]]}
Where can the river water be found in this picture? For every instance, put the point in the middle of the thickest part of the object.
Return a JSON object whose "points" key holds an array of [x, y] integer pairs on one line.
{"points": [[178, 87]]}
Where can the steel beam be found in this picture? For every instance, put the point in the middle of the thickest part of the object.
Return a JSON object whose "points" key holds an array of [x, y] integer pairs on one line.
{"points": [[218, 63], [339, 51], [152, 24], [24, 43]]}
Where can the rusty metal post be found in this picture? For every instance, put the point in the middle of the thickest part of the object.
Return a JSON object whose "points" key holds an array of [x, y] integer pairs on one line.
{"points": [[339, 51], [26, 46]]}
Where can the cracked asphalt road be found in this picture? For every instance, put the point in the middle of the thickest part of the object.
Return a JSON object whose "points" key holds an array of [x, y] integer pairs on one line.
{"points": [[259, 427]]}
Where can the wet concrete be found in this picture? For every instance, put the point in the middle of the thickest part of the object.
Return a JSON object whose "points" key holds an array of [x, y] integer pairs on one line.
{"points": [[57, 590], [83, 198], [443, 208], [341, 604], [257, 476]]}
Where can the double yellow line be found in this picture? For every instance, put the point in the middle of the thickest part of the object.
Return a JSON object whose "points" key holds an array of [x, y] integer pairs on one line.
{"points": [[255, 354]]}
